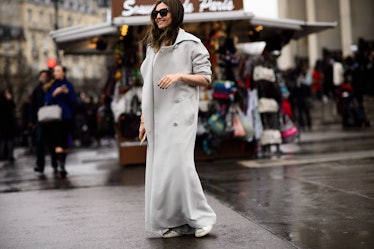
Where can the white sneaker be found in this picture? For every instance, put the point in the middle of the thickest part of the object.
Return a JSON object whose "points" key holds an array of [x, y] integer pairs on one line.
{"points": [[170, 234], [200, 232]]}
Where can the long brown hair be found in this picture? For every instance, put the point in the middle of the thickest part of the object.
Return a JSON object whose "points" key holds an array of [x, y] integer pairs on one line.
{"points": [[155, 36]]}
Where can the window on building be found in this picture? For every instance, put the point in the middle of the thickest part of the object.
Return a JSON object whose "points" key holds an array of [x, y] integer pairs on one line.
{"points": [[51, 19], [45, 45], [70, 21], [60, 22], [34, 47], [33, 41], [41, 16], [29, 15]]}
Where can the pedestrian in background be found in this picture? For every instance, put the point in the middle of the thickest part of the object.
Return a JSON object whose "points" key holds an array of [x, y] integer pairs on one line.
{"points": [[62, 93], [176, 64], [37, 101], [105, 120], [303, 94], [8, 125], [91, 108]]}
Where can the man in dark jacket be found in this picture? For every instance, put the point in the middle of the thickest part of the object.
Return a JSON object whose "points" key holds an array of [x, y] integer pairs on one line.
{"points": [[37, 101]]}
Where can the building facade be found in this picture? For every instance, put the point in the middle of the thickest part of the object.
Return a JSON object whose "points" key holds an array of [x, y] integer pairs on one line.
{"points": [[26, 44], [355, 21]]}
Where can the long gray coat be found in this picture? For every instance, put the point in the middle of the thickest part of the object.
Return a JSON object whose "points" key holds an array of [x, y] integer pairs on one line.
{"points": [[173, 193]]}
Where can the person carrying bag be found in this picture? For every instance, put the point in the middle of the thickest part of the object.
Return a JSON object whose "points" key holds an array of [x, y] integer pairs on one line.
{"points": [[60, 93]]}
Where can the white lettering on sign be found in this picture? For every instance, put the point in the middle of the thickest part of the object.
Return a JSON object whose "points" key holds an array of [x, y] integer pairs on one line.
{"points": [[212, 5], [188, 7], [129, 9]]}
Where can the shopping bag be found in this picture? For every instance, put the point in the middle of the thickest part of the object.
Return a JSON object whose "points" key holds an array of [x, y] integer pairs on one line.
{"points": [[239, 130]]}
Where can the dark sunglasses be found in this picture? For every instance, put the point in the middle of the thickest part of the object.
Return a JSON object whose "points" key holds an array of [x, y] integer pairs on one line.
{"points": [[163, 13]]}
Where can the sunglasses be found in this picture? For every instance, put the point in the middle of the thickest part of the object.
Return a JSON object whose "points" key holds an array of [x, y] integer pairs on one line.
{"points": [[163, 13]]}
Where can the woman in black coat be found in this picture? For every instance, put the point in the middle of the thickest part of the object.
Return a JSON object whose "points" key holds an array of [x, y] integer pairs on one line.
{"points": [[7, 125]]}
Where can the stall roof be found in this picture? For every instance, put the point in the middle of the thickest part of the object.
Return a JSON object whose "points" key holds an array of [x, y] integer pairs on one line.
{"points": [[189, 18], [300, 28], [313, 27], [276, 31], [79, 33]]}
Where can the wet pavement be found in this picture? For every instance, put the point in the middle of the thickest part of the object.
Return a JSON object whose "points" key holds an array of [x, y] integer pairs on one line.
{"points": [[318, 194]]}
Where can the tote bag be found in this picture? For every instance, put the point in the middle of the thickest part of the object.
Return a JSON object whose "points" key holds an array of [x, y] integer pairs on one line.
{"points": [[49, 113]]}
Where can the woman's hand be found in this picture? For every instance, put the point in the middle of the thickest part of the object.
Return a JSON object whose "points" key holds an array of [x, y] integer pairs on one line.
{"points": [[169, 80], [141, 130], [59, 90]]}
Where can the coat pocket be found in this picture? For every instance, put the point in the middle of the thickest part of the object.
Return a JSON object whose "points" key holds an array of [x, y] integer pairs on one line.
{"points": [[189, 113], [185, 119]]}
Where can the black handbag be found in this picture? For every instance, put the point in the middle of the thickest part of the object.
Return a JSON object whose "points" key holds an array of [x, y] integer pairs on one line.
{"points": [[130, 122]]}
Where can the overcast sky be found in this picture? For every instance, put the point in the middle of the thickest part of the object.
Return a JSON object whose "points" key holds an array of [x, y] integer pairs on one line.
{"points": [[263, 8]]}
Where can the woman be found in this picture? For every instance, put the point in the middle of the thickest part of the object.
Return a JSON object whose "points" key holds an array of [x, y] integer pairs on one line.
{"points": [[176, 64], [8, 125], [62, 93]]}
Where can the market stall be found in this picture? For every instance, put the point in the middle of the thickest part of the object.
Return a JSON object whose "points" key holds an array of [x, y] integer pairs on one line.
{"points": [[221, 25]]}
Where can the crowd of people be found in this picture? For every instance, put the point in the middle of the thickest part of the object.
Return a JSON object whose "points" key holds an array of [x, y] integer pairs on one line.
{"points": [[343, 80], [84, 121]]}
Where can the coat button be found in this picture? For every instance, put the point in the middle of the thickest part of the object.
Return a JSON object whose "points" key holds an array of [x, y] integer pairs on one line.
{"points": [[175, 124], [176, 101]]}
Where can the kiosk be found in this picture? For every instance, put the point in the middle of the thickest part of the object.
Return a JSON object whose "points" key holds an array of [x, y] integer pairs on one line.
{"points": [[208, 20]]}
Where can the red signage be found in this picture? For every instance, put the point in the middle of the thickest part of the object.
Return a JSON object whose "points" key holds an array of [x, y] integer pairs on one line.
{"points": [[122, 8]]}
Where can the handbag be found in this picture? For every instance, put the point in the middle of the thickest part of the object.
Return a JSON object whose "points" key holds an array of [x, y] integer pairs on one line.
{"points": [[271, 137], [49, 113], [267, 105], [217, 124], [288, 129], [129, 125], [130, 121]]}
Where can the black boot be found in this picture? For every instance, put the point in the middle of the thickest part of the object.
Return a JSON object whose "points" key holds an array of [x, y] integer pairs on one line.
{"points": [[61, 164], [55, 171]]}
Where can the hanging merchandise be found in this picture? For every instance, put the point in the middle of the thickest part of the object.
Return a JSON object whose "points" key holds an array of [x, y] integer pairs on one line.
{"points": [[217, 124], [224, 89], [239, 130], [243, 126], [247, 124], [263, 73], [228, 58], [267, 105], [289, 130], [253, 115]]}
